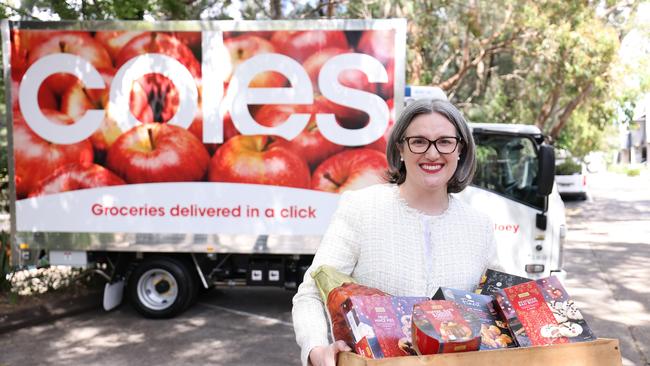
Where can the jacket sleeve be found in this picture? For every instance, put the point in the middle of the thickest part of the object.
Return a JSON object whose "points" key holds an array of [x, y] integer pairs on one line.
{"points": [[339, 248], [493, 255]]}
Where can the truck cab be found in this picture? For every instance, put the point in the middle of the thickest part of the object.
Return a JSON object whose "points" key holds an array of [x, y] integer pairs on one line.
{"points": [[514, 186]]}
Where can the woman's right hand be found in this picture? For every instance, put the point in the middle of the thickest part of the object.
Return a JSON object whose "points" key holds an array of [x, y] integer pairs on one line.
{"points": [[326, 355]]}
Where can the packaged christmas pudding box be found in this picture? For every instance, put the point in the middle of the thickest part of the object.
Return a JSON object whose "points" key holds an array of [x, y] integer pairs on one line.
{"points": [[380, 325], [492, 281], [494, 331], [441, 326], [540, 312]]}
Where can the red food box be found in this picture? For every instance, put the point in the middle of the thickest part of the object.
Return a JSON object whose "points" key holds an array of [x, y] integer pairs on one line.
{"points": [[540, 313], [441, 326], [494, 331], [380, 325]]}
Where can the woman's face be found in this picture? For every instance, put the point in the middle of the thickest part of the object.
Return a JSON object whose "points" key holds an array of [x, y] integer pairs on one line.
{"points": [[432, 170]]}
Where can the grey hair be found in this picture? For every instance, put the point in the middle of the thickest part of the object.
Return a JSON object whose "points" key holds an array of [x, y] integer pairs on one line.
{"points": [[466, 165]]}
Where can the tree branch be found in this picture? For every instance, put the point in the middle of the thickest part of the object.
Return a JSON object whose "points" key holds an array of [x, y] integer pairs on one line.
{"points": [[569, 108]]}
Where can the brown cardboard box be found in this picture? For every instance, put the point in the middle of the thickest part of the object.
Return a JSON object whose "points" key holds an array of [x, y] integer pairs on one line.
{"points": [[601, 352]]}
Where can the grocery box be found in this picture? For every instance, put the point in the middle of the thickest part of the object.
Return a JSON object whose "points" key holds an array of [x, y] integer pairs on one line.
{"points": [[600, 352], [494, 331], [380, 325], [440, 327], [541, 312], [492, 281]]}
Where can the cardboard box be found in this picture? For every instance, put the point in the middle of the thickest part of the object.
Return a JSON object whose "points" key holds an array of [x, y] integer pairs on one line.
{"points": [[601, 352]]}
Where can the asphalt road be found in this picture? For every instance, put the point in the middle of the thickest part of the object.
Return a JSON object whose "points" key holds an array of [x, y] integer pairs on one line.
{"points": [[606, 258]]}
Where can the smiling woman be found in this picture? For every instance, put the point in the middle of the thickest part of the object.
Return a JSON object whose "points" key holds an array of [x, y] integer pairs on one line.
{"points": [[407, 237]]}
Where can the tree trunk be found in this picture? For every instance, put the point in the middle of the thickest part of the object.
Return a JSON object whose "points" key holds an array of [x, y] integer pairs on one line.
{"points": [[568, 110]]}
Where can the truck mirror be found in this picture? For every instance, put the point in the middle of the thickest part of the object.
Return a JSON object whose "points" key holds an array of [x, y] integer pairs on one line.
{"points": [[546, 170]]}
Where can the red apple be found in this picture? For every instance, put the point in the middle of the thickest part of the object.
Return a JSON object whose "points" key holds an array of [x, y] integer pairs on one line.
{"points": [[259, 159], [192, 40], [302, 44], [163, 43], [46, 99], [23, 42], [75, 176], [244, 47], [349, 170], [310, 143], [114, 41], [36, 158], [80, 44], [352, 78], [78, 99], [229, 130], [154, 98], [378, 43], [158, 152]]}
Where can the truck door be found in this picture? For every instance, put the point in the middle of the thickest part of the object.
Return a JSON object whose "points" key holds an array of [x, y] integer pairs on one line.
{"points": [[505, 188]]}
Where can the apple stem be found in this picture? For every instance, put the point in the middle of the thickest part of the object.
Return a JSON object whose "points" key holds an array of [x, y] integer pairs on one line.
{"points": [[62, 46], [268, 141], [329, 177], [150, 133]]}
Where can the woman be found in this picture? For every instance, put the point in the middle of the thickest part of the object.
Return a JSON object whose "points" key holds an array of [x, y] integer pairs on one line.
{"points": [[408, 237]]}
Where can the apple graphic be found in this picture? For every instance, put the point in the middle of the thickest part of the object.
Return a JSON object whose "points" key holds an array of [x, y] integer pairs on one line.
{"points": [[310, 143], [46, 99], [349, 170], [163, 43], [242, 48], [379, 44], [79, 44], [35, 158], [22, 42], [352, 78], [77, 100], [192, 40], [229, 130], [75, 176], [114, 41], [154, 98], [259, 159], [158, 152], [302, 44]]}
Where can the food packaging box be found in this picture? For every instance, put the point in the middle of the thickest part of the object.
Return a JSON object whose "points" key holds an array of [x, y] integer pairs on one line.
{"points": [[540, 312], [494, 331], [601, 352], [439, 326], [336, 298], [380, 325], [492, 281]]}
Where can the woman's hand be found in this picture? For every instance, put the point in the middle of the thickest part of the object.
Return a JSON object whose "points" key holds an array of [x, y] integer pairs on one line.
{"points": [[326, 355]]}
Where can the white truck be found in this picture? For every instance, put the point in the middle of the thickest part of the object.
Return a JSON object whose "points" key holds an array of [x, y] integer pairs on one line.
{"points": [[174, 156]]}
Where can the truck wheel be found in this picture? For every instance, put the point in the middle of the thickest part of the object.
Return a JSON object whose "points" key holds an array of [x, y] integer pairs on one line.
{"points": [[162, 288]]}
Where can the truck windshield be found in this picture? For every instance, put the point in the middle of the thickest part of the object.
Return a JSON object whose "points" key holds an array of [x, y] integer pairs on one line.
{"points": [[508, 165]]}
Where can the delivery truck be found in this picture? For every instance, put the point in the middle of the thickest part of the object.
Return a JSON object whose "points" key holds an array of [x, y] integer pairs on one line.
{"points": [[174, 156]]}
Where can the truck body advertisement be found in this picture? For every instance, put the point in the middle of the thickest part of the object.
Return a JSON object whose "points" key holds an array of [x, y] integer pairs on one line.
{"points": [[206, 127]]}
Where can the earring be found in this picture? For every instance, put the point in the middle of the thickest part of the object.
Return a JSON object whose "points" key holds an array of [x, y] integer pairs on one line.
{"points": [[459, 158], [401, 158]]}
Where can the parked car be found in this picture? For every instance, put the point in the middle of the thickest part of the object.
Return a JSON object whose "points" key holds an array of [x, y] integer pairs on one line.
{"points": [[571, 178]]}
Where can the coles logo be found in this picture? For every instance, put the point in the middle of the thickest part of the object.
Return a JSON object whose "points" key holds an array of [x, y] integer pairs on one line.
{"points": [[305, 109]]}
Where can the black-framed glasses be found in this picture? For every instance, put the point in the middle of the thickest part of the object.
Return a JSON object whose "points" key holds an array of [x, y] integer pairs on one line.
{"points": [[420, 145]]}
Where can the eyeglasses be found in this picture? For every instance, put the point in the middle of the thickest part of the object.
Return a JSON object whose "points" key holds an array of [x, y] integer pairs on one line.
{"points": [[420, 145]]}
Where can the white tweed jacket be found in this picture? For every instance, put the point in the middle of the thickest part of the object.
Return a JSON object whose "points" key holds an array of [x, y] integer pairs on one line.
{"points": [[380, 241]]}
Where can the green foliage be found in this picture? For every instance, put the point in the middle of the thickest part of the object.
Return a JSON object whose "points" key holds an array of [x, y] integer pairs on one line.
{"points": [[633, 172], [568, 167]]}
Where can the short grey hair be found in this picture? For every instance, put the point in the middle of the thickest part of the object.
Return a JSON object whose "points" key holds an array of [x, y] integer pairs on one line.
{"points": [[466, 165]]}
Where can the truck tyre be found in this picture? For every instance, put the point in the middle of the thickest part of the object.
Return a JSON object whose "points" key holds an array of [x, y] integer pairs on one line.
{"points": [[162, 287]]}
